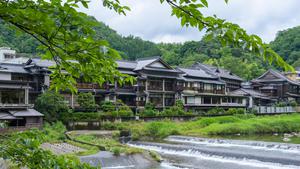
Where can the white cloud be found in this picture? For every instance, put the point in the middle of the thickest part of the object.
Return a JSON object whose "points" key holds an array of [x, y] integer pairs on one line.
{"points": [[150, 20]]}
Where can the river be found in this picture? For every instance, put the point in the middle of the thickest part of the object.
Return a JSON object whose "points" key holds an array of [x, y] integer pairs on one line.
{"points": [[204, 153]]}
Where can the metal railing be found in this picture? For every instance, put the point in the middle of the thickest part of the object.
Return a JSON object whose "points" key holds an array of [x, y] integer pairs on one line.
{"points": [[274, 110]]}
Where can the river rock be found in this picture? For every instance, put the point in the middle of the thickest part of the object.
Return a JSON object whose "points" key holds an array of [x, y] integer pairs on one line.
{"points": [[285, 139]]}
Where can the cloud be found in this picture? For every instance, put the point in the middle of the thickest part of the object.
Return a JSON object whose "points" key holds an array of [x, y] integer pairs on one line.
{"points": [[150, 20]]}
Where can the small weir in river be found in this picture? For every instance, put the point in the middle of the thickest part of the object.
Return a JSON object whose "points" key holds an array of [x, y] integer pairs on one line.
{"points": [[203, 153]]}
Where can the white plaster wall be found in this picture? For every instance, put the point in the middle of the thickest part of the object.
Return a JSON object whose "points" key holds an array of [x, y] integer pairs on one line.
{"points": [[5, 76]]}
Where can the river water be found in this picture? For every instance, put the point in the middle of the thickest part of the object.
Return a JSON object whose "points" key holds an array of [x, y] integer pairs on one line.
{"points": [[204, 153]]}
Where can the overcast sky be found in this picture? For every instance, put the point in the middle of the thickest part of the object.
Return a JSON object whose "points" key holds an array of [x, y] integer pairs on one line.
{"points": [[150, 20]]}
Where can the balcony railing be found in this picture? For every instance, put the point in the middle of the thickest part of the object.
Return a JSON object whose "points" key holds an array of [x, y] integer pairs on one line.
{"points": [[15, 105], [90, 86]]}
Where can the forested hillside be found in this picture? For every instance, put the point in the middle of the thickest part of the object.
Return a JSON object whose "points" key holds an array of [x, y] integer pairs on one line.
{"points": [[242, 63], [287, 44], [130, 47]]}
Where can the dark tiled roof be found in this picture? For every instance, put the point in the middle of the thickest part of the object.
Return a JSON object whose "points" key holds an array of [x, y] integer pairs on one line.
{"points": [[251, 92], [223, 73], [276, 73], [197, 73], [126, 64], [13, 68], [26, 113], [6, 116], [40, 62]]}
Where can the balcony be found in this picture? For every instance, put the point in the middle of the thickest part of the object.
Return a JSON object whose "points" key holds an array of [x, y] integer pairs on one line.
{"points": [[15, 105], [90, 86]]}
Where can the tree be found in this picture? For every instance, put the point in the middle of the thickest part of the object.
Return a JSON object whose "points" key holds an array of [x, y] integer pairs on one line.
{"points": [[52, 105], [66, 36], [86, 101], [287, 44]]}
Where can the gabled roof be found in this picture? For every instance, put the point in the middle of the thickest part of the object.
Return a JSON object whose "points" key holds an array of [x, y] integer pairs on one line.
{"points": [[279, 77], [126, 64], [145, 63], [223, 73], [12, 68], [198, 73], [250, 92], [40, 62]]}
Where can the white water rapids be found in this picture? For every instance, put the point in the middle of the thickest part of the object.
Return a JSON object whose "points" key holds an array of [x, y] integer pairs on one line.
{"points": [[202, 153]]}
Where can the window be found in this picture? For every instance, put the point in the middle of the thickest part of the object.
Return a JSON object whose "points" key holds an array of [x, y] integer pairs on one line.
{"points": [[207, 100], [169, 100], [8, 56], [207, 87], [155, 85], [190, 100]]}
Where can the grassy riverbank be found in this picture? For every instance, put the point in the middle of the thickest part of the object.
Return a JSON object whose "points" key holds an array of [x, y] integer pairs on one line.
{"points": [[212, 126]]}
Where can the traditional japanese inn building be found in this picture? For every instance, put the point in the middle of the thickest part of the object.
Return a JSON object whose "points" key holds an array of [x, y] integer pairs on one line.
{"points": [[200, 87]]}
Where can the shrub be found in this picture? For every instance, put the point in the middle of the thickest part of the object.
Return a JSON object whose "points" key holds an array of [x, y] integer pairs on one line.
{"points": [[159, 130], [216, 111], [149, 111], [118, 109], [52, 105], [79, 116], [108, 106], [87, 101], [176, 110], [123, 110], [116, 151], [293, 103], [233, 111], [54, 132]]}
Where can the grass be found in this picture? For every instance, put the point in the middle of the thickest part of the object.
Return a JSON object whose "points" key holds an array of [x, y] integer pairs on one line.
{"points": [[212, 126], [110, 144]]}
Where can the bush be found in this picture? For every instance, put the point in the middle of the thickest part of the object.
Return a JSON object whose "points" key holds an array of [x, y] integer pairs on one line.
{"points": [[123, 110], [116, 151], [52, 105], [215, 111], [159, 130], [233, 111], [87, 101], [118, 109], [79, 116], [176, 110], [108, 106], [149, 111], [54, 132], [293, 103]]}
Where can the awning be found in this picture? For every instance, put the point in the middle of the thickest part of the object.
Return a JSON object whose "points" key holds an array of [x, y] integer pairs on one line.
{"points": [[26, 113], [7, 116]]}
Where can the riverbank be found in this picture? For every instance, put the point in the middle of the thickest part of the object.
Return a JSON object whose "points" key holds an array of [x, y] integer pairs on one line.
{"points": [[223, 126]]}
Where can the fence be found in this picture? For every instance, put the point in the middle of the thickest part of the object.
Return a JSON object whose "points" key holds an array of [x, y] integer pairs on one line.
{"points": [[275, 110]]}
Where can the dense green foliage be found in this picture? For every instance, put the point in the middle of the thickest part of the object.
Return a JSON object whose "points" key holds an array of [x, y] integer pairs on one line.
{"points": [[52, 105], [66, 36], [23, 149], [129, 47], [86, 101], [222, 125], [176, 110], [287, 44]]}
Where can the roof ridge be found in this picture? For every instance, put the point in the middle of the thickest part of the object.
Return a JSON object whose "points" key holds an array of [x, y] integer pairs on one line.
{"points": [[148, 58]]}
